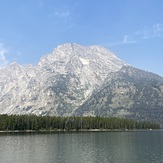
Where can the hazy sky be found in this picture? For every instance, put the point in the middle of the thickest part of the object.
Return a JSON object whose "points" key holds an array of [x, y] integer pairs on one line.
{"points": [[132, 29]]}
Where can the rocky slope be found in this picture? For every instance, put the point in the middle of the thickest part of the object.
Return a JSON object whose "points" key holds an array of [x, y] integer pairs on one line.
{"points": [[130, 93], [77, 80], [60, 82]]}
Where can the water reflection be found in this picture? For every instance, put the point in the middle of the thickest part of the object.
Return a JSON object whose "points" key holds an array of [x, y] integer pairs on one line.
{"points": [[95, 147]]}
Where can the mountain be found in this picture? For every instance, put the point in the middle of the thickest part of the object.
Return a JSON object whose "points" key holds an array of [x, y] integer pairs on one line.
{"points": [[59, 83], [78, 80], [130, 93]]}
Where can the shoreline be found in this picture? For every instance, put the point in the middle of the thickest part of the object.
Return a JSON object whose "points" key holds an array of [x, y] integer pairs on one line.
{"points": [[76, 131]]}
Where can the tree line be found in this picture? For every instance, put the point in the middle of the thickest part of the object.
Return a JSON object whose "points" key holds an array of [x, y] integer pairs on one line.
{"points": [[33, 122]]}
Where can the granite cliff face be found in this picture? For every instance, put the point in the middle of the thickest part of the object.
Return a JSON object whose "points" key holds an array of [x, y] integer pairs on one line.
{"points": [[59, 83], [77, 80], [130, 93]]}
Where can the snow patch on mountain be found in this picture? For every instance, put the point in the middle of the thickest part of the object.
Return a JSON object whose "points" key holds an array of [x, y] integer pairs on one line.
{"points": [[59, 83]]}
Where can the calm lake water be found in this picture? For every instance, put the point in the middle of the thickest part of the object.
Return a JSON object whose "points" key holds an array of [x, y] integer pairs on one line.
{"points": [[86, 147]]}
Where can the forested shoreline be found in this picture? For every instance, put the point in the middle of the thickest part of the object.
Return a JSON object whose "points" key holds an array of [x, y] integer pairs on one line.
{"points": [[48, 123]]}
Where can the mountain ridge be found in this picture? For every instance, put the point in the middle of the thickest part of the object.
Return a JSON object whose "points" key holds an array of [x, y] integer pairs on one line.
{"points": [[65, 82], [126, 95]]}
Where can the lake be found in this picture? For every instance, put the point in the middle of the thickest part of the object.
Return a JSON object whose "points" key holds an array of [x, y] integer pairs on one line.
{"points": [[82, 147]]}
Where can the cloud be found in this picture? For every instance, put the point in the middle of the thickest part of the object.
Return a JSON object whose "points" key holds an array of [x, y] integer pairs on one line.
{"points": [[63, 17], [126, 40], [155, 31], [60, 14], [3, 52], [149, 32]]}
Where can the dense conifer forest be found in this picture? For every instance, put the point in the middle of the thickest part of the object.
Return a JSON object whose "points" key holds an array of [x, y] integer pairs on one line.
{"points": [[38, 123]]}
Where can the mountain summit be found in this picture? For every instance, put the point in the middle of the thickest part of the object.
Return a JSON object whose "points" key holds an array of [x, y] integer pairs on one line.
{"points": [[78, 80]]}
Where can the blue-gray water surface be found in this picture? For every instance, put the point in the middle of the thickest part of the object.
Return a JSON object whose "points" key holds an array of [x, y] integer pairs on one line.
{"points": [[85, 147]]}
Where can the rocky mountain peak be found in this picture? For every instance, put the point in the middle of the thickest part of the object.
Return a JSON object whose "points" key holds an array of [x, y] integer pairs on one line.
{"points": [[87, 56], [59, 83], [78, 80]]}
